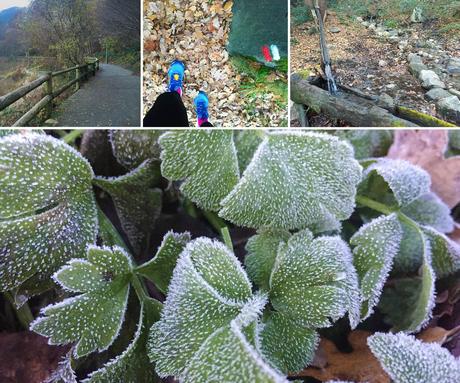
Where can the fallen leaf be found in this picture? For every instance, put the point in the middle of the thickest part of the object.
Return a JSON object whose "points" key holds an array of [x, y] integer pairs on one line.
{"points": [[438, 335]]}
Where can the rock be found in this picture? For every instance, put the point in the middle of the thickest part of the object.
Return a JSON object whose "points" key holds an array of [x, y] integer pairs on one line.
{"points": [[416, 67], [390, 86], [403, 44], [334, 30], [453, 67], [359, 19], [51, 122], [413, 57], [449, 109], [455, 92], [393, 33], [386, 101], [437, 94], [365, 24], [383, 63], [417, 15], [430, 80], [372, 26]]}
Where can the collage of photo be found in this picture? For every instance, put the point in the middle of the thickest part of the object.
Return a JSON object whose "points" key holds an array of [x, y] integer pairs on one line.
{"points": [[229, 191]]}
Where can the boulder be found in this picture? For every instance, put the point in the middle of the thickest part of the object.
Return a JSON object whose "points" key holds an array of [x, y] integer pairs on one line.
{"points": [[437, 94], [413, 57], [430, 80], [416, 67], [449, 109], [386, 102], [453, 67]]}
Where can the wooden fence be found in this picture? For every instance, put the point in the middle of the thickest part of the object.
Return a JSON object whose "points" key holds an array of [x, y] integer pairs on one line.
{"points": [[82, 72]]}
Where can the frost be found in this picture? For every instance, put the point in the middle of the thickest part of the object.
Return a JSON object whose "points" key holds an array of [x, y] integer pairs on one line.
{"points": [[160, 268], [410, 256], [314, 281], [47, 211], [133, 364], [431, 211], [375, 246], [132, 147], [247, 141], [408, 360], [200, 336], [407, 182], [368, 143], [294, 181], [205, 160], [445, 253], [64, 373], [93, 318], [286, 344], [262, 250], [137, 202]]}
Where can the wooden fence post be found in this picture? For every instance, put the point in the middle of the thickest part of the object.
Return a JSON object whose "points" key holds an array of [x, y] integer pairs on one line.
{"points": [[49, 92], [77, 75]]}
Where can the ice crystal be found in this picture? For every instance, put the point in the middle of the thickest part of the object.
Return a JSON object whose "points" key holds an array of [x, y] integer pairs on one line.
{"points": [[294, 181], [205, 160], [262, 251], [247, 141], [201, 334], [408, 360], [47, 208], [286, 344], [137, 202], [64, 373], [314, 280], [375, 246], [93, 318], [368, 143], [160, 268], [132, 147]]}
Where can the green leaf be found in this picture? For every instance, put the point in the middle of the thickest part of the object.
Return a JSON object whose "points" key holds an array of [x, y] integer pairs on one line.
{"points": [[262, 250], [160, 268], [47, 211], [208, 307], [410, 256], [133, 365], [205, 160], [407, 360], [247, 141], [445, 252], [406, 181], [93, 318], [314, 281], [286, 344], [368, 143], [133, 147], [429, 210], [137, 202], [294, 181], [375, 246]]}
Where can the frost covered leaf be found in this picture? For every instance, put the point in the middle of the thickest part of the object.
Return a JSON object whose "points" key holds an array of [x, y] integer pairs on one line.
{"points": [[93, 318], [445, 253], [205, 160], [160, 269], [247, 141], [262, 250], [408, 360], [132, 147], [368, 143], [286, 344], [64, 373], [47, 211], [314, 281], [209, 306], [133, 365], [407, 182], [137, 202], [294, 181], [375, 246], [431, 211], [410, 255]]}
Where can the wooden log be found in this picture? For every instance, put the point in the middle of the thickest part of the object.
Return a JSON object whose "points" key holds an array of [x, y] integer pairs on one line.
{"points": [[348, 107], [77, 77], [49, 92], [15, 95], [24, 120], [422, 119]]}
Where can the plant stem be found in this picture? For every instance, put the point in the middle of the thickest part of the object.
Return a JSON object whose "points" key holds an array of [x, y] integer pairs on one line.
{"points": [[61, 133], [220, 226], [23, 313], [374, 205], [108, 232], [139, 287], [72, 136]]}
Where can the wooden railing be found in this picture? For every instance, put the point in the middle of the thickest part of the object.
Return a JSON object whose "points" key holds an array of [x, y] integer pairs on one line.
{"points": [[82, 73]]}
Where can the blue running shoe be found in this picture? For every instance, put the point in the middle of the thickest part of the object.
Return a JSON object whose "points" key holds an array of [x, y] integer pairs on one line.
{"points": [[201, 107], [176, 76]]}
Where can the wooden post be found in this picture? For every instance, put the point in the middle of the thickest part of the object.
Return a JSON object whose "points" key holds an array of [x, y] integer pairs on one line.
{"points": [[49, 92], [77, 75]]}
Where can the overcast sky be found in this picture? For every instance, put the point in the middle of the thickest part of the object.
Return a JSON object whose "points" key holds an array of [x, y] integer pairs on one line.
{"points": [[4, 4]]}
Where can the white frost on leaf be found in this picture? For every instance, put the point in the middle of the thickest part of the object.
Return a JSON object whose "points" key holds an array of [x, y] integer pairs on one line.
{"points": [[206, 162], [200, 336], [93, 318], [408, 360], [294, 181], [314, 281], [47, 207], [375, 246]]}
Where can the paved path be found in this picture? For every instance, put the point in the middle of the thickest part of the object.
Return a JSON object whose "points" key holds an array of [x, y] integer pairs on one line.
{"points": [[112, 98]]}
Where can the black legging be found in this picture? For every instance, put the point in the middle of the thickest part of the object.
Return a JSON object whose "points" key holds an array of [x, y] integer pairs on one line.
{"points": [[168, 112]]}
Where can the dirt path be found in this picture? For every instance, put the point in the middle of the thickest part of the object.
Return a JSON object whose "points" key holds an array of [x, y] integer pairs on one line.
{"points": [[112, 98]]}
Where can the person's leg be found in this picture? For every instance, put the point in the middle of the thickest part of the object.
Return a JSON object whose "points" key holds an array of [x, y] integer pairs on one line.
{"points": [[201, 108], [169, 110]]}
